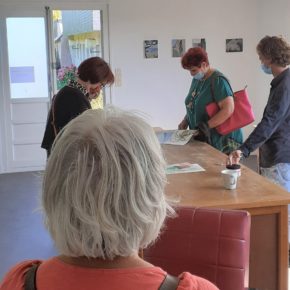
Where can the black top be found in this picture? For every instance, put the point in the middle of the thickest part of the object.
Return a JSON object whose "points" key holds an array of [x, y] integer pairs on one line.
{"points": [[272, 134], [68, 103]]}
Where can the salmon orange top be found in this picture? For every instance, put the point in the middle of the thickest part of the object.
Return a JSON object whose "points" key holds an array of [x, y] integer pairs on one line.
{"points": [[54, 274]]}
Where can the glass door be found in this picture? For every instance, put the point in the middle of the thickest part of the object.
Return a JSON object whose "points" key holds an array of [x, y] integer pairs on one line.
{"points": [[76, 36]]}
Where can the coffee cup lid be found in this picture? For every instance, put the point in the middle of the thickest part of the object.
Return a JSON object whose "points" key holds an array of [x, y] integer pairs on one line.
{"points": [[233, 166]]}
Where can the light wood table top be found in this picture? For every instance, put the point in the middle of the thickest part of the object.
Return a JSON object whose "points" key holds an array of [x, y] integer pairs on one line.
{"points": [[206, 188]]}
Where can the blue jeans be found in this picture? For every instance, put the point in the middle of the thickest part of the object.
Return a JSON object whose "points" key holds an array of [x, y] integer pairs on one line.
{"points": [[279, 174]]}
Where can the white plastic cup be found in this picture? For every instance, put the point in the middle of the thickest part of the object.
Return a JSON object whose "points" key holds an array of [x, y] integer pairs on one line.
{"points": [[230, 178], [236, 170]]}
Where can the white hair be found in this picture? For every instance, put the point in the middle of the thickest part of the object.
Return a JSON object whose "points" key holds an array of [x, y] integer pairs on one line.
{"points": [[103, 189]]}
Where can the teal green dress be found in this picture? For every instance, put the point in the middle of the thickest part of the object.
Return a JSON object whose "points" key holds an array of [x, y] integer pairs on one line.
{"points": [[198, 97]]}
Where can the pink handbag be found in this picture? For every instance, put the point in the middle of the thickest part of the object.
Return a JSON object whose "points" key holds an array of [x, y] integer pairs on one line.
{"points": [[243, 114]]}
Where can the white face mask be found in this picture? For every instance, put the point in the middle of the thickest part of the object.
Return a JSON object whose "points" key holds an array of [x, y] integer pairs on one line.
{"points": [[266, 69], [199, 75]]}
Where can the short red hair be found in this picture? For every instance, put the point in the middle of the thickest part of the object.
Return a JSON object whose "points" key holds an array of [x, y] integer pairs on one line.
{"points": [[194, 57]]}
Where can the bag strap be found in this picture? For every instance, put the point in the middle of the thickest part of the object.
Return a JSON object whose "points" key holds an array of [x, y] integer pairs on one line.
{"points": [[53, 115], [169, 283], [30, 278], [218, 75]]}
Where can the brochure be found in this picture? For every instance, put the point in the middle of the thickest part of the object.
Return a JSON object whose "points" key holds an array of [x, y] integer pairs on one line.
{"points": [[175, 137], [184, 167]]}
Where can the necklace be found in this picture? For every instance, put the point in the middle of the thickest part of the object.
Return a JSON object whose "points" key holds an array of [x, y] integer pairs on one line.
{"points": [[76, 85], [196, 92], [192, 104], [195, 95]]}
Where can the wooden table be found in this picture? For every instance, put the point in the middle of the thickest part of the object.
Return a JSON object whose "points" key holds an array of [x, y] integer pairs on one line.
{"points": [[265, 201]]}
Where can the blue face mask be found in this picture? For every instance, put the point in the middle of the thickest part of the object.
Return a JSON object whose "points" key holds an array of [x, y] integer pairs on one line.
{"points": [[199, 76], [266, 69]]}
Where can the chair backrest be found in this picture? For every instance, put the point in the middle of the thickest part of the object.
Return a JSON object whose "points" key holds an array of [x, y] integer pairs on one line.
{"points": [[211, 243]]}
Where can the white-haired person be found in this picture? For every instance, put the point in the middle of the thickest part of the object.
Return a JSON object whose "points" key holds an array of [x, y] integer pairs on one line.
{"points": [[103, 200]]}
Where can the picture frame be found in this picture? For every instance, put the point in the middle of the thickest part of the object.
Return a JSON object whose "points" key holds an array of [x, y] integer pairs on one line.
{"points": [[199, 42], [150, 48], [177, 47], [234, 45]]}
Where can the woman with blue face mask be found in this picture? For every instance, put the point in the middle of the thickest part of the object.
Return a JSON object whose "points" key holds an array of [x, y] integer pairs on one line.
{"points": [[272, 134], [208, 85]]}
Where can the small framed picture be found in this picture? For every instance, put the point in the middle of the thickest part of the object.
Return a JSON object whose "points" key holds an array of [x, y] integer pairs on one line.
{"points": [[234, 45], [177, 47], [199, 42], [151, 48]]}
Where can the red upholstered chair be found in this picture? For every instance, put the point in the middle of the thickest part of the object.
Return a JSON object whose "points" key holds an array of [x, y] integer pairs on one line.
{"points": [[211, 243]]}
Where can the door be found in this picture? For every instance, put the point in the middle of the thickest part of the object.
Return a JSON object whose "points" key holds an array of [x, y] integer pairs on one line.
{"points": [[75, 36], [24, 92], [37, 45]]}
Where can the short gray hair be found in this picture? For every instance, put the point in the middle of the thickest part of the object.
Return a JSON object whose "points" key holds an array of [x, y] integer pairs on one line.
{"points": [[103, 189]]}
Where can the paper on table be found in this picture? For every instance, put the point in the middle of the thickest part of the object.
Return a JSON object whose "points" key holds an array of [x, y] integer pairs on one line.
{"points": [[183, 168], [175, 137]]}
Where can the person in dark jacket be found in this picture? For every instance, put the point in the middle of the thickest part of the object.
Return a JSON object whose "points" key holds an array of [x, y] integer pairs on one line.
{"points": [[272, 134], [92, 75]]}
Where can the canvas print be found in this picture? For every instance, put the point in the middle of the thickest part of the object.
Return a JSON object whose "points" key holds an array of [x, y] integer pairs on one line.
{"points": [[234, 45], [151, 48], [178, 47], [199, 42]]}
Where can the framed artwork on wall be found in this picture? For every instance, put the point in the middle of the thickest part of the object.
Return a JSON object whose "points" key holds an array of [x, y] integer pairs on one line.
{"points": [[177, 47], [199, 42], [151, 48], [234, 45]]}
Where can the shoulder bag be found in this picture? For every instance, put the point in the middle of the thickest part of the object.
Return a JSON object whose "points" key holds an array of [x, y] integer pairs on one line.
{"points": [[243, 114]]}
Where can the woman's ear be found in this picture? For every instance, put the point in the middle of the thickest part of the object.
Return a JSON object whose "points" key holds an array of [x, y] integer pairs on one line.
{"points": [[204, 65]]}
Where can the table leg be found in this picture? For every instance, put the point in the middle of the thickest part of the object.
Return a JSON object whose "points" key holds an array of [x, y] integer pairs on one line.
{"points": [[269, 248]]}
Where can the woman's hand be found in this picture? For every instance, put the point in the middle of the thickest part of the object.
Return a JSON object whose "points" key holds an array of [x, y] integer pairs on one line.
{"points": [[183, 125], [234, 157], [204, 133]]}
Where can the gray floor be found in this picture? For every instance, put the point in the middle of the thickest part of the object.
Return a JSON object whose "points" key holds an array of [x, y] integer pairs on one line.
{"points": [[22, 234]]}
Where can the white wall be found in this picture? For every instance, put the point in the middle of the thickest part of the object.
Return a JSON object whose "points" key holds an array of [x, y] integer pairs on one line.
{"points": [[158, 86]]}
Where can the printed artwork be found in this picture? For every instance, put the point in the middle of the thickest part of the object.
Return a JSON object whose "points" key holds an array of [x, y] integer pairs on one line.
{"points": [[178, 47], [151, 48], [199, 42], [234, 45]]}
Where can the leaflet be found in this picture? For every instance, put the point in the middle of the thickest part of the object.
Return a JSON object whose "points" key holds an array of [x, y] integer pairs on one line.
{"points": [[184, 167], [175, 137]]}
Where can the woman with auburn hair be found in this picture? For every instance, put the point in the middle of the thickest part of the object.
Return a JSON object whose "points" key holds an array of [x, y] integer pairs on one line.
{"points": [[272, 134], [208, 85], [93, 74], [103, 200]]}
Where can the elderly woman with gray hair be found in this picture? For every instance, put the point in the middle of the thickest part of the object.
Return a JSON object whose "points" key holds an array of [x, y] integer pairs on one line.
{"points": [[103, 200]]}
